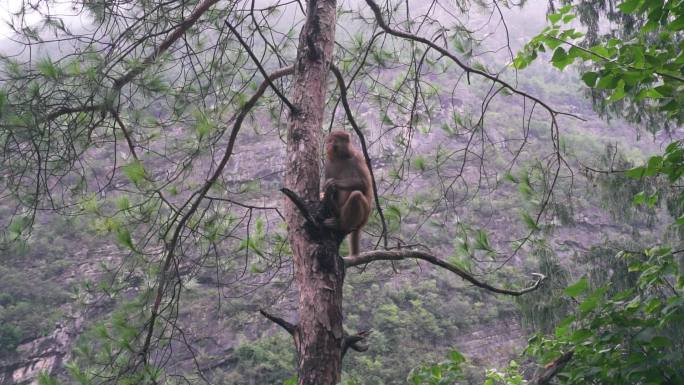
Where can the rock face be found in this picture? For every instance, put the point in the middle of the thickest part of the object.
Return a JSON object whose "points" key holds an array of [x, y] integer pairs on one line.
{"points": [[45, 354], [493, 344]]}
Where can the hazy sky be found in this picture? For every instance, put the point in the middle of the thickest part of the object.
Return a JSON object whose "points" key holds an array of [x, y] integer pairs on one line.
{"points": [[7, 7]]}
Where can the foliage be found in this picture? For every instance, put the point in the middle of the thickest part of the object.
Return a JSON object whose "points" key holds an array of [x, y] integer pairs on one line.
{"points": [[627, 327], [632, 336], [645, 70], [618, 335], [444, 373], [267, 360]]}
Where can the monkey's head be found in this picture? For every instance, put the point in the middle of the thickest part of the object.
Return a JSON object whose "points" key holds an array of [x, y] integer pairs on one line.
{"points": [[337, 145]]}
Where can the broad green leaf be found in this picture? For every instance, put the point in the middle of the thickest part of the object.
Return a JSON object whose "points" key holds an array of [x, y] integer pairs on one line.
{"points": [[590, 78], [636, 172], [580, 335], [618, 93], [577, 288], [630, 6], [456, 357], [640, 198], [554, 17]]}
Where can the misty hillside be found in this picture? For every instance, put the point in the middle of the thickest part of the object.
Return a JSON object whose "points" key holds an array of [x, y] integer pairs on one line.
{"points": [[146, 238]]}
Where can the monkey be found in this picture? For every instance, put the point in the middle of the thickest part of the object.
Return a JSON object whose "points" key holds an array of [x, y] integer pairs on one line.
{"points": [[347, 173]]}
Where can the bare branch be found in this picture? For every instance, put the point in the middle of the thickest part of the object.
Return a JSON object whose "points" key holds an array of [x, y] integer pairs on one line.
{"points": [[72, 110], [397, 255], [353, 342], [172, 38], [468, 69], [301, 205], [127, 135], [290, 328], [282, 97]]}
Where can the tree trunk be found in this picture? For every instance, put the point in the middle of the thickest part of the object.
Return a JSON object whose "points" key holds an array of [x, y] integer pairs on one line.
{"points": [[319, 270]]}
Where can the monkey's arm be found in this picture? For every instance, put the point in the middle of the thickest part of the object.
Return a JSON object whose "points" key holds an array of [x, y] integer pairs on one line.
{"points": [[349, 184]]}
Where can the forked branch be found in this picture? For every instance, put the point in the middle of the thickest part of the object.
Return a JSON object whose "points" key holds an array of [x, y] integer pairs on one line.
{"points": [[398, 255]]}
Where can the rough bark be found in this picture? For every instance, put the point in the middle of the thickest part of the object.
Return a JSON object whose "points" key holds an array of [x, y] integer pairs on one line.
{"points": [[319, 270]]}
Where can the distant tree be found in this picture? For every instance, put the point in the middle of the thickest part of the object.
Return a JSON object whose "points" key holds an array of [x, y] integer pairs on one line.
{"points": [[133, 116]]}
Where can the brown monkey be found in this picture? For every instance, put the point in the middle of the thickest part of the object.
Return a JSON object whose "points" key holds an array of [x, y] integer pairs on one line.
{"points": [[347, 172]]}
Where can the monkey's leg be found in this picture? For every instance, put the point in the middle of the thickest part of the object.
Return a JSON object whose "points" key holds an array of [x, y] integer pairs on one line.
{"points": [[353, 216], [354, 242], [354, 212]]}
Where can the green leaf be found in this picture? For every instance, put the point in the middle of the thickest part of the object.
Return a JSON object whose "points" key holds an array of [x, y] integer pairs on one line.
{"points": [[481, 241], [560, 58], [420, 163], [122, 203], [49, 69], [607, 82], [134, 171], [590, 78], [580, 335], [530, 222], [629, 6], [640, 198], [653, 166], [554, 17], [3, 100], [590, 303], [456, 357], [124, 237], [577, 288], [203, 125], [45, 379], [618, 93], [565, 9], [568, 18], [636, 172]]}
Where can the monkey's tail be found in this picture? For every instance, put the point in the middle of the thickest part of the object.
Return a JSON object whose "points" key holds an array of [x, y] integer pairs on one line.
{"points": [[354, 238]]}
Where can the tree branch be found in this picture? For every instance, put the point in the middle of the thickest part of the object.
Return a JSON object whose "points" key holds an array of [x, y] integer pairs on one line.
{"points": [[72, 110], [468, 69], [290, 328], [551, 369], [199, 196], [353, 342], [301, 205], [293, 109], [397, 255], [130, 75], [175, 35]]}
